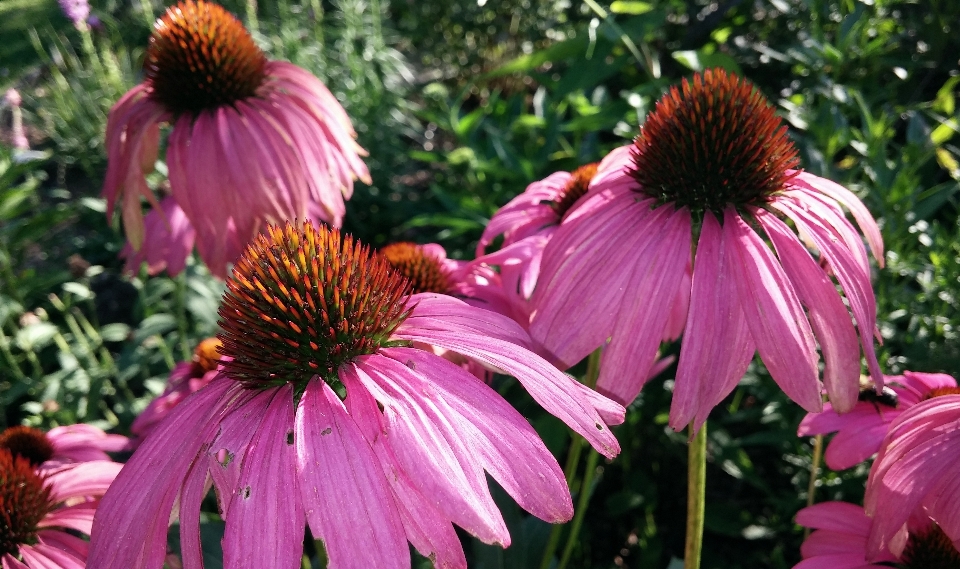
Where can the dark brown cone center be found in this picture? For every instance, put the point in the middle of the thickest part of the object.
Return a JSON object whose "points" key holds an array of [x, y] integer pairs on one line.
{"points": [[930, 549], [576, 188], [27, 442], [201, 57], [24, 501], [713, 143]]}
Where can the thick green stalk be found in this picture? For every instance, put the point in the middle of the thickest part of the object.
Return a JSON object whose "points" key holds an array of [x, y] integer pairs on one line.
{"points": [[583, 500], [573, 461], [696, 483]]}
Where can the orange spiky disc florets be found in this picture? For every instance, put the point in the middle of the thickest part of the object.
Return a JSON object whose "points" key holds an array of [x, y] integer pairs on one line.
{"points": [[27, 442], [302, 301], [715, 142], [201, 57], [576, 188], [24, 501], [424, 271]]}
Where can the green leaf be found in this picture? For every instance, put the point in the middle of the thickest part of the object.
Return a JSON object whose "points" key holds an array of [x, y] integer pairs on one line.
{"points": [[153, 325], [36, 336], [630, 7], [116, 332]]}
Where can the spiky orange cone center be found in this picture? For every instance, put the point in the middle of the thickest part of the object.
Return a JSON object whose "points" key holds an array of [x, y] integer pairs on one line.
{"points": [[201, 57], [425, 272], [302, 301], [713, 143], [27, 442], [24, 501], [576, 188]]}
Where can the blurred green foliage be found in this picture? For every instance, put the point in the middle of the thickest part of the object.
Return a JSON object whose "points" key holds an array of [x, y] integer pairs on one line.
{"points": [[461, 104]]}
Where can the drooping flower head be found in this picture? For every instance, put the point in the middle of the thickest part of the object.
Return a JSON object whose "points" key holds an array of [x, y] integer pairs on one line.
{"points": [[325, 415], [917, 470], [185, 378], [712, 161], [253, 140], [840, 541], [528, 221], [37, 508], [60, 445], [860, 432]]}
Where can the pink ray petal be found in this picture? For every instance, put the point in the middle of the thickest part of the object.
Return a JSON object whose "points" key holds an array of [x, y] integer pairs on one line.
{"points": [[432, 452], [347, 500], [226, 452], [42, 556], [777, 322], [130, 530], [828, 315], [78, 517], [83, 479], [717, 347], [265, 527], [430, 532], [660, 258], [508, 448]]}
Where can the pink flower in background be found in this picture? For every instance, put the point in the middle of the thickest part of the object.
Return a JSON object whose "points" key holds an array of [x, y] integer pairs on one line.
{"points": [[918, 467], [77, 11], [42, 511], [529, 220], [860, 431], [61, 445], [712, 161], [18, 138], [253, 141], [325, 416], [840, 541], [185, 378], [168, 241]]}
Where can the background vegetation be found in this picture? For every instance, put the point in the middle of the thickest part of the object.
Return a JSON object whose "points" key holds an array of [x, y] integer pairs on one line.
{"points": [[461, 104]]}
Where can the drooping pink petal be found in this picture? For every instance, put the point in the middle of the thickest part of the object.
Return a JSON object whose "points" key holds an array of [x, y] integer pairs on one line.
{"points": [[834, 190], [548, 386], [265, 527], [65, 542], [430, 532], [717, 347], [583, 276], [660, 259], [347, 500], [432, 452], [777, 322], [853, 279], [43, 556], [130, 529], [225, 454], [83, 479], [828, 315], [508, 448], [78, 517], [10, 562]]}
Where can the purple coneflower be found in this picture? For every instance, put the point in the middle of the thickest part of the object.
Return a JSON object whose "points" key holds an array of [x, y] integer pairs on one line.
{"points": [[860, 432], [711, 162], [327, 416], [917, 468], [840, 541], [61, 445], [168, 240], [185, 378], [253, 140], [43, 510]]}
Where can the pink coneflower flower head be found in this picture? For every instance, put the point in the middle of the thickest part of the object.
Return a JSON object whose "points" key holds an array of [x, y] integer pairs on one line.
{"points": [[168, 241], [917, 468], [861, 431], [840, 541], [185, 378], [60, 445], [327, 416], [41, 512], [529, 220], [252, 141], [712, 161]]}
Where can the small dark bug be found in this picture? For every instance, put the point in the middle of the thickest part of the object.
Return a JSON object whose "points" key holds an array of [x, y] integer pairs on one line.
{"points": [[887, 396]]}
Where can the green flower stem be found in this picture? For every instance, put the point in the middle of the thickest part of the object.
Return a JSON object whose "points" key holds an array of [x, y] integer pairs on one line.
{"points": [[570, 470], [586, 490], [696, 484], [814, 469]]}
